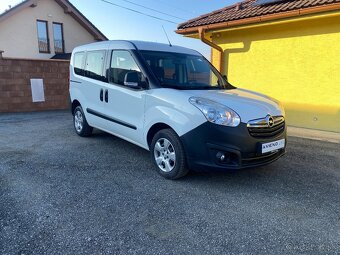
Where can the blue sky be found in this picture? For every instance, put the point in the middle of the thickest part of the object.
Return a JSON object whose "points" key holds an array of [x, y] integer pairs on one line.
{"points": [[119, 23]]}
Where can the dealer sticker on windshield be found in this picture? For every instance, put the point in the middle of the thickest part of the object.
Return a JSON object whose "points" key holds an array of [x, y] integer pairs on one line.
{"points": [[272, 146]]}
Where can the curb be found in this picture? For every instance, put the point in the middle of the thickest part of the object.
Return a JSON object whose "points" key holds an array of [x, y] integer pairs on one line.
{"points": [[314, 134]]}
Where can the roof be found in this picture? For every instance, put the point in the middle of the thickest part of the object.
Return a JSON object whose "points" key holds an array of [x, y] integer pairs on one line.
{"points": [[68, 8], [133, 45], [249, 12], [152, 46]]}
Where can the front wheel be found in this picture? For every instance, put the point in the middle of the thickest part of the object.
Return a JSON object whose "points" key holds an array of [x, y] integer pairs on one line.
{"points": [[168, 154], [80, 124]]}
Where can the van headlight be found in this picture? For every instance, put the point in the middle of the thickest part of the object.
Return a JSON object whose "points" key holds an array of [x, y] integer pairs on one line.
{"points": [[215, 112]]}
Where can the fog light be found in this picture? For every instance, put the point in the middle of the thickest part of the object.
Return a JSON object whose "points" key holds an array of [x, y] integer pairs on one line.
{"points": [[223, 157], [220, 156]]}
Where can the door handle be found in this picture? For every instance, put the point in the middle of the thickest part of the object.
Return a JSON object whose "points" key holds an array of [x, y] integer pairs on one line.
{"points": [[101, 95], [106, 96]]}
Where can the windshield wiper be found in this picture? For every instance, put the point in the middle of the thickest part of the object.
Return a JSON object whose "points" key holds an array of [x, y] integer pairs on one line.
{"points": [[192, 87], [172, 86], [212, 87], [200, 87]]}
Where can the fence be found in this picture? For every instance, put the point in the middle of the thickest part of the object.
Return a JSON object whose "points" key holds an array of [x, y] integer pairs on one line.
{"points": [[15, 84]]}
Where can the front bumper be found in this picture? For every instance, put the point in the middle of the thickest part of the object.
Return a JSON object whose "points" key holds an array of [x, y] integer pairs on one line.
{"points": [[205, 144]]}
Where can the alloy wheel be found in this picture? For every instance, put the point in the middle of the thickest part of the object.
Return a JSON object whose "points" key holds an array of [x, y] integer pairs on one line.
{"points": [[78, 121], [165, 155]]}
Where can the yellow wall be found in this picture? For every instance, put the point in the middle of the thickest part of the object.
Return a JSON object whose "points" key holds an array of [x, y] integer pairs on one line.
{"points": [[297, 63]]}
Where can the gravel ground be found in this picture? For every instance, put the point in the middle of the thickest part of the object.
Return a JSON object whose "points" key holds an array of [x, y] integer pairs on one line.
{"points": [[63, 194]]}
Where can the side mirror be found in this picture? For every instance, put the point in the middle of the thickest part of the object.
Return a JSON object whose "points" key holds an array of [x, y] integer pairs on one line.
{"points": [[132, 79]]}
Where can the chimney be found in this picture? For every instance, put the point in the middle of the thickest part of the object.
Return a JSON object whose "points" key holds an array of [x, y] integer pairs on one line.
{"points": [[238, 6]]}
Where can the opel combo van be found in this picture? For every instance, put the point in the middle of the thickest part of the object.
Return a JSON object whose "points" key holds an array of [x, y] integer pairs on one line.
{"points": [[171, 101]]}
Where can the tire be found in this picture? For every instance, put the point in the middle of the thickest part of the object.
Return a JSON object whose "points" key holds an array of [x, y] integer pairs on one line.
{"points": [[80, 124], [168, 154]]}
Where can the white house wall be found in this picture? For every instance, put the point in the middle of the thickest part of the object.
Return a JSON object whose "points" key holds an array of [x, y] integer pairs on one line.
{"points": [[19, 36]]}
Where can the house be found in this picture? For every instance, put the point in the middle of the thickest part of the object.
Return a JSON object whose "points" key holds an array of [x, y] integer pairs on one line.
{"points": [[43, 29], [287, 49]]}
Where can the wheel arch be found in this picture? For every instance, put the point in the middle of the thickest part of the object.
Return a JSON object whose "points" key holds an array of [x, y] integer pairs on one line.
{"points": [[154, 129], [75, 103], [179, 120]]}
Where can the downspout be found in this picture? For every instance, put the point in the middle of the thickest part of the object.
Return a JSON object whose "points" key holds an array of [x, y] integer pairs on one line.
{"points": [[201, 33]]}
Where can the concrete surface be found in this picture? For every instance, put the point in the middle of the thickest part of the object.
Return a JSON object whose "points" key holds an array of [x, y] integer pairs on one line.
{"points": [[314, 134], [63, 194]]}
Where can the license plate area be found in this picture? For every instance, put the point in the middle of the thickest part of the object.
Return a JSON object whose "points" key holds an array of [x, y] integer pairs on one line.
{"points": [[272, 146]]}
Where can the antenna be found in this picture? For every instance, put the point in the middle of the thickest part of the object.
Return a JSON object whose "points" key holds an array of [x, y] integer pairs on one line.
{"points": [[167, 36]]}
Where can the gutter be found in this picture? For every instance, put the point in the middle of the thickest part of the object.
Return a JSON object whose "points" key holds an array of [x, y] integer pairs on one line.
{"points": [[263, 18], [201, 33]]}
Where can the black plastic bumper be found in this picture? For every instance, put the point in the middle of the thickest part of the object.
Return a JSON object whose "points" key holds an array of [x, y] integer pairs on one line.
{"points": [[205, 144]]}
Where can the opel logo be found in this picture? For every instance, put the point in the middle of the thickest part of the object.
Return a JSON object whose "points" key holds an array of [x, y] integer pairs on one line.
{"points": [[270, 121]]}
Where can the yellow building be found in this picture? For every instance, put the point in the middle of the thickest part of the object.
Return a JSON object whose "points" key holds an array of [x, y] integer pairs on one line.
{"points": [[289, 50]]}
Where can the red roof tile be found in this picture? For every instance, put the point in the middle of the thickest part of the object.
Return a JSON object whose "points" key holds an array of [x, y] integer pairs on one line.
{"points": [[249, 9]]}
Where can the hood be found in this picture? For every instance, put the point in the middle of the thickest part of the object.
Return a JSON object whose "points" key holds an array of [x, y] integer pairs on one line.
{"points": [[247, 104]]}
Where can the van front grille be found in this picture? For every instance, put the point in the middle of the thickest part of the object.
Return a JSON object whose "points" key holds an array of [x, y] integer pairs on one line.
{"points": [[267, 127]]}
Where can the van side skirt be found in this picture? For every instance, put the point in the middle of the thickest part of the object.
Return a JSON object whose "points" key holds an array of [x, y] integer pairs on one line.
{"points": [[103, 116]]}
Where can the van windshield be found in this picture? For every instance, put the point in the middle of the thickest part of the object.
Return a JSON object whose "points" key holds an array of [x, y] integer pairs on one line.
{"points": [[183, 71]]}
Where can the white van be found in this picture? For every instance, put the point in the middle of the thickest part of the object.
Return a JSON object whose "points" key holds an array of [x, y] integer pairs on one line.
{"points": [[171, 101]]}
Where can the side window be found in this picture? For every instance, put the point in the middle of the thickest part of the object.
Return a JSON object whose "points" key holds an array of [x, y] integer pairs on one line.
{"points": [[122, 63], [94, 65], [78, 63]]}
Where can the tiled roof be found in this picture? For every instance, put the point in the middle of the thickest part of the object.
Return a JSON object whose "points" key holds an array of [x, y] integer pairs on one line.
{"points": [[249, 9]]}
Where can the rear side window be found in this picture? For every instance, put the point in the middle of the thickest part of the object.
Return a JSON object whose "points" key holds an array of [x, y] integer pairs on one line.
{"points": [[122, 62], [78, 63], [94, 65]]}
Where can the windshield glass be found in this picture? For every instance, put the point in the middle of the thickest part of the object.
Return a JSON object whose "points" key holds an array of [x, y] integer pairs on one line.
{"points": [[182, 71]]}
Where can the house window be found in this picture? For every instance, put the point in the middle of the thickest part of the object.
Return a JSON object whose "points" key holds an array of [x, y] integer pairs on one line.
{"points": [[43, 39], [58, 36]]}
